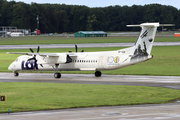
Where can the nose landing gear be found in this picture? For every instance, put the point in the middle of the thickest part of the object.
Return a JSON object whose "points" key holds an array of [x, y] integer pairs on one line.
{"points": [[16, 73]]}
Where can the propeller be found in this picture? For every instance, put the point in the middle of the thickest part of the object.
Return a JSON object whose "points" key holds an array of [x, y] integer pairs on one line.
{"points": [[76, 48], [34, 57]]}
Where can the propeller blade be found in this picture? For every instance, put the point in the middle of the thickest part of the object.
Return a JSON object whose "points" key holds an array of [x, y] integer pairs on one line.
{"points": [[35, 64], [34, 57], [31, 50], [76, 47], [38, 49]]}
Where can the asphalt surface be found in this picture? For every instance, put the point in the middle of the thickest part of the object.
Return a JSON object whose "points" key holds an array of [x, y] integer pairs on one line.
{"points": [[172, 82], [169, 111], [84, 45]]}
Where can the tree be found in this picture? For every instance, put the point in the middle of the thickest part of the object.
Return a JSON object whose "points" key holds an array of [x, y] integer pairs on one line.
{"points": [[72, 18], [91, 22], [62, 21], [6, 13]]}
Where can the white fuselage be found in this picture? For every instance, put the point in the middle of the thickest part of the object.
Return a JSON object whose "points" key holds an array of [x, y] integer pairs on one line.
{"points": [[81, 61]]}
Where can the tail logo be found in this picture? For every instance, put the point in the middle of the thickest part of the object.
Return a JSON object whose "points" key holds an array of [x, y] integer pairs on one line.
{"points": [[139, 52], [144, 34]]}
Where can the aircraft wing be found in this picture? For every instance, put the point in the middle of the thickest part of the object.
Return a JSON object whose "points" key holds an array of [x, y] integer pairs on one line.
{"points": [[40, 54], [43, 54], [71, 55]]}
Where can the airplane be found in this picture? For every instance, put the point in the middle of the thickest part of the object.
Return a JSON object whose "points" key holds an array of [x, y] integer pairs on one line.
{"points": [[89, 61]]}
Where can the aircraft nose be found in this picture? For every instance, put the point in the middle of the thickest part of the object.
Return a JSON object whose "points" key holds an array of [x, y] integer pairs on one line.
{"points": [[10, 67]]}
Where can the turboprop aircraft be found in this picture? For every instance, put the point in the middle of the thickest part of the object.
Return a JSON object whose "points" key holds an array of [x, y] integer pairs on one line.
{"points": [[89, 61]]}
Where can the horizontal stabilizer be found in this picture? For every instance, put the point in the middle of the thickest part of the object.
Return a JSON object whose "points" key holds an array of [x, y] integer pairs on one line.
{"points": [[145, 25], [167, 25], [150, 25]]}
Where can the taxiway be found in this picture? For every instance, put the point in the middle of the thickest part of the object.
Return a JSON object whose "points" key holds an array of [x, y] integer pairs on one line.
{"points": [[155, 81]]}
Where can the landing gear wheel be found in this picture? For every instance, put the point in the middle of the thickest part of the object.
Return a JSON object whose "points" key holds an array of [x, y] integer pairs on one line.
{"points": [[16, 74], [57, 75], [98, 73]]}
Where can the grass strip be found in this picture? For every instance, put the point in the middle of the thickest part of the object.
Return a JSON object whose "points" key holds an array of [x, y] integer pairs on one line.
{"points": [[51, 96], [29, 40]]}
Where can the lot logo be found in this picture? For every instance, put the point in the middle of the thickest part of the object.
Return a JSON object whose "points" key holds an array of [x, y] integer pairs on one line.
{"points": [[28, 65], [113, 60], [144, 34]]}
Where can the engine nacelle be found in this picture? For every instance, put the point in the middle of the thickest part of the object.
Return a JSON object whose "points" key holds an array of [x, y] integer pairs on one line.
{"points": [[61, 59]]}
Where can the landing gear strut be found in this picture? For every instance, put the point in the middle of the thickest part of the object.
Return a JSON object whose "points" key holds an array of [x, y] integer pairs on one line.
{"points": [[57, 74], [98, 73], [16, 73]]}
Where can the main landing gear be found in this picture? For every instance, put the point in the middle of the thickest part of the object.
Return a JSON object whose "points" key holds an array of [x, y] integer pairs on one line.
{"points": [[57, 74], [98, 73]]}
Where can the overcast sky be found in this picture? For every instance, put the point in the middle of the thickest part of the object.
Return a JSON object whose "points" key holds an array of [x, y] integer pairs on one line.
{"points": [[104, 3]]}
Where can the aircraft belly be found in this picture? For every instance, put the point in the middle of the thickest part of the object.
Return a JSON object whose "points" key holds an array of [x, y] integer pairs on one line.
{"points": [[78, 66]]}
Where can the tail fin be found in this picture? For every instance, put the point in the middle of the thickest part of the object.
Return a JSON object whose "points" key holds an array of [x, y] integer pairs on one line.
{"points": [[145, 40]]}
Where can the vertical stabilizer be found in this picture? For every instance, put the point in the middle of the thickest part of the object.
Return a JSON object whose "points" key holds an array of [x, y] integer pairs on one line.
{"points": [[145, 40]]}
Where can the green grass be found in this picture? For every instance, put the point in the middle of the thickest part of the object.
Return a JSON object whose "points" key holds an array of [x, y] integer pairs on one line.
{"points": [[49, 96], [165, 62], [72, 40]]}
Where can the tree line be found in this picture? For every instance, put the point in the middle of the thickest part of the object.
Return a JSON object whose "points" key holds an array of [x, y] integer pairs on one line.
{"points": [[72, 18]]}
